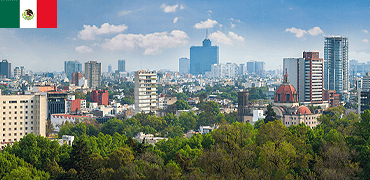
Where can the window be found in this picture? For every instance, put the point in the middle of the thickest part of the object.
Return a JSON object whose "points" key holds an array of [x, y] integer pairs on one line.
{"points": [[3, 118], [10, 134], [10, 123], [15, 117], [10, 112], [15, 123], [10, 118], [26, 128], [31, 128], [21, 129], [10, 129], [31, 101], [26, 117], [21, 117], [4, 135], [26, 106], [3, 129], [3, 112], [26, 112], [10, 107], [21, 123], [3, 107], [21, 112], [31, 117], [21, 107], [31, 106], [15, 112], [4, 102], [20, 134], [15, 107], [15, 134], [26, 122], [25, 133], [31, 112], [31, 121]]}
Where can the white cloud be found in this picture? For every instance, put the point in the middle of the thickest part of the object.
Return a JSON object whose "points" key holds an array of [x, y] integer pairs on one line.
{"points": [[301, 32], [365, 31], [298, 32], [232, 25], [168, 9], [151, 43], [315, 31], [205, 24], [365, 40], [175, 20], [209, 11], [235, 36], [182, 7], [220, 37], [89, 32], [84, 49], [290, 8], [124, 12]]}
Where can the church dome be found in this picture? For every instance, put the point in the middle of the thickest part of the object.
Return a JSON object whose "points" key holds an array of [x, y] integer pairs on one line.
{"points": [[286, 92], [303, 110]]}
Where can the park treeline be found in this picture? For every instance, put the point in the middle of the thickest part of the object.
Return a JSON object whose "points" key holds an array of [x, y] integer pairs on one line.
{"points": [[338, 148]]}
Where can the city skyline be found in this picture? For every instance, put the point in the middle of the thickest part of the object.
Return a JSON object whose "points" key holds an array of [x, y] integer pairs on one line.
{"points": [[154, 35]]}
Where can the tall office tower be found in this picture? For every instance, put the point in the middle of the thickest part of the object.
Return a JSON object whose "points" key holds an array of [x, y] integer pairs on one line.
{"points": [[145, 91], [306, 76], [56, 102], [242, 69], [243, 106], [358, 69], [121, 65], [260, 68], [202, 57], [5, 68], [75, 78], [22, 114], [93, 74], [72, 67], [184, 65], [251, 67], [336, 64], [109, 68]]}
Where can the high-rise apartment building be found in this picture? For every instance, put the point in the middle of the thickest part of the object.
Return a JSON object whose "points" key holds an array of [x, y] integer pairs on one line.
{"points": [[366, 82], [184, 65], [145, 91], [306, 76], [72, 67], [228, 70], [121, 65], [5, 68], [93, 74], [202, 57], [20, 115], [19, 71], [336, 64]]}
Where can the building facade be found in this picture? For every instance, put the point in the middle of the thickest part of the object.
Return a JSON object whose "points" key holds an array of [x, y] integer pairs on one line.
{"points": [[202, 57], [121, 65], [19, 71], [56, 103], [145, 91], [76, 77], [228, 70], [336, 64], [72, 67], [93, 74], [20, 115], [6, 68], [100, 97], [306, 75], [184, 65]]}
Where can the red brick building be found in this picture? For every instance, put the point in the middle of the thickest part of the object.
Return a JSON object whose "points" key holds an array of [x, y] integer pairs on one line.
{"points": [[75, 77], [332, 98], [100, 97]]}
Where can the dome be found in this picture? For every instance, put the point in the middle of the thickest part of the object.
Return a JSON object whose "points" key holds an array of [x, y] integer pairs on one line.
{"points": [[303, 110], [286, 92]]}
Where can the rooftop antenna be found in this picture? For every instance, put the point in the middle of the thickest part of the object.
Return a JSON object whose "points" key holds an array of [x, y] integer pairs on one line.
{"points": [[141, 64], [206, 33]]}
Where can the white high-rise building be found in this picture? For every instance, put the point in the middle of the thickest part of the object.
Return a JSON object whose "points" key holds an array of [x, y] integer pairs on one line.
{"points": [[93, 74], [228, 70], [20, 115], [306, 75], [184, 65], [145, 91]]}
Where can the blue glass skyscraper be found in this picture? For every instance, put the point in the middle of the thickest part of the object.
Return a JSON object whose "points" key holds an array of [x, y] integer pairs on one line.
{"points": [[202, 57], [336, 64], [72, 67]]}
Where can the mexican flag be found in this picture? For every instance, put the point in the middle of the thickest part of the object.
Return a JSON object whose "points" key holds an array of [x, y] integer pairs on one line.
{"points": [[28, 13]]}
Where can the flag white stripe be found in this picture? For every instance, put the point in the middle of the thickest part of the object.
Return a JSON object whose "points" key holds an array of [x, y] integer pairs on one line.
{"points": [[28, 4]]}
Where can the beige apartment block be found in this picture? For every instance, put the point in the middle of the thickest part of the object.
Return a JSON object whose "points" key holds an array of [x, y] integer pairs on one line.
{"points": [[20, 115]]}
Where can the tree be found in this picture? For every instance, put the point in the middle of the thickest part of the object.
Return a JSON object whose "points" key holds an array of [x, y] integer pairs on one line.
{"points": [[49, 127], [112, 126], [182, 105], [80, 157], [270, 114]]}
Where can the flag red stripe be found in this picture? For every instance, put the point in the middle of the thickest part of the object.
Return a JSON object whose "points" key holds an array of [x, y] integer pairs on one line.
{"points": [[46, 13]]}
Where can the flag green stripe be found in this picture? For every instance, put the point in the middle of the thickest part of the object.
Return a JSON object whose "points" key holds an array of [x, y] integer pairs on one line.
{"points": [[9, 13]]}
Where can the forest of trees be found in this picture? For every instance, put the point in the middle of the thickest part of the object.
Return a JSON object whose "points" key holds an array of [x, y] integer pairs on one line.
{"points": [[338, 148]]}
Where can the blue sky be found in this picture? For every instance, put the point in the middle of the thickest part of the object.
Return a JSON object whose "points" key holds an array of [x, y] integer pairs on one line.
{"points": [[155, 34]]}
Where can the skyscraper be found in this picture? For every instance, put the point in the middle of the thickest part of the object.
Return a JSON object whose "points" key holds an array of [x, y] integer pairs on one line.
{"points": [[251, 66], [202, 57], [145, 91], [260, 68], [121, 65], [93, 74], [72, 67], [109, 68], [336, 64], [5, 68], [184, 65], [306, 76]]}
